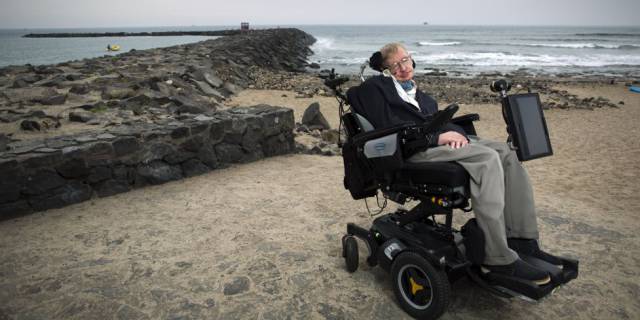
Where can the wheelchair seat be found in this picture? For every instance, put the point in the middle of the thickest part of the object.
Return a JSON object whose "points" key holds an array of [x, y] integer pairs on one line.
{"points": [[448, 174], [377, 158]]}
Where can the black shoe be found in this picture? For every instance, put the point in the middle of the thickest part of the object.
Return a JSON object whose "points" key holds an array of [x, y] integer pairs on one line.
{"points": [[520, 269], [530, 247]]}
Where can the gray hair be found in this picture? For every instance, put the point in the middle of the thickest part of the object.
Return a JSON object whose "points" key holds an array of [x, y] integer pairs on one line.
{"points": [[390, 49]]}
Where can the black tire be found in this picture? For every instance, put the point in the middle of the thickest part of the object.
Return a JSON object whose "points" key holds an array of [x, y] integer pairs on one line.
{"points": [[350, 249], [421, 289]]}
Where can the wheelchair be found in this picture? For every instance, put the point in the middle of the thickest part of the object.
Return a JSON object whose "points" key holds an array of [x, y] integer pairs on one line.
{"points": [[423, 256]]}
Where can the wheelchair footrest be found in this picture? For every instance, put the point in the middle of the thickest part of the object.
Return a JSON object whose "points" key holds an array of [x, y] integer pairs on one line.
{"points": [[528, 290]]}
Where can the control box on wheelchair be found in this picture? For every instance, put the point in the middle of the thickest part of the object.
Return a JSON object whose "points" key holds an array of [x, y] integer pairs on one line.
{"points": [[422, 253]]}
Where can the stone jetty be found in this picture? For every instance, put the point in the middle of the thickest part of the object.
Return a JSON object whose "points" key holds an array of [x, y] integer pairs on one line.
{"points": [[98, 127], [230, 32]]}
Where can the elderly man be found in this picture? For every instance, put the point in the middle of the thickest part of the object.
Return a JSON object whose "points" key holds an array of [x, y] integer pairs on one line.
{"points": [[501, 193]]}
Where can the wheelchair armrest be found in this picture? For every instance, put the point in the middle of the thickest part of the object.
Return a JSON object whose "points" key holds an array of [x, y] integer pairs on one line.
{"points": [[466, 118], [466, 122], [362, 138]]}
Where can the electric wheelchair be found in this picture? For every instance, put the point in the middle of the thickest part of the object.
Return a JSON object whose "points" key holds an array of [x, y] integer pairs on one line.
{"points": [[422, 254]]}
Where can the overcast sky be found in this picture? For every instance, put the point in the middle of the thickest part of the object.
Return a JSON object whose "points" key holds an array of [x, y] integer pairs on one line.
{"points": [[144, 13]]}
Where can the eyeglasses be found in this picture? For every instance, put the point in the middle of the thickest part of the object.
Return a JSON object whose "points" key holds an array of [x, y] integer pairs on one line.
{"points": [[404, 62]]}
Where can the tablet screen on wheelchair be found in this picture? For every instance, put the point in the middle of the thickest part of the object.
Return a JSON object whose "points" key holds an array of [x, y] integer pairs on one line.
{"points": [[528, 126]]}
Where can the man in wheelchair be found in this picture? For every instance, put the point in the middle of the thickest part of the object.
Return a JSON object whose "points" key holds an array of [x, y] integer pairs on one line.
{"points": [[398, 142], [501, 193]]}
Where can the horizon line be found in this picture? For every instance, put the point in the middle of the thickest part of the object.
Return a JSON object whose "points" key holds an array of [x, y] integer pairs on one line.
{"points": [[329, 24]]}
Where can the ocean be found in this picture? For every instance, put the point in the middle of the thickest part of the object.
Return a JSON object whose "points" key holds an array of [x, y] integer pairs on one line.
{"points": [[456, 50]]}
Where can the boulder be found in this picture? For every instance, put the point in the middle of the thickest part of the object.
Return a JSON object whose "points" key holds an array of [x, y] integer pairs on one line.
{"points": [[162, 88], [111, 187], [80, 89], [212, 80], [194, 167], [30, 125], [99, 173], [4, 142], [157, 172], [125, 145], [73, 168], [111, 92], [232, 88], [81, 116], [208, 90], [229, 153], [189, 109], [41, 181], [330, 136], [52, 82], [57, 99], [26, 95], [69, 193], [314, 119]]}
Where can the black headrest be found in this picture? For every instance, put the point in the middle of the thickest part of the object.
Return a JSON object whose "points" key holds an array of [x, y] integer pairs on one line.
{"points": [[375, 62]]}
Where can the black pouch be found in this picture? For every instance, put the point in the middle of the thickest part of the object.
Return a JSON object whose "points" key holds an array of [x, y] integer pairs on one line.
{"points": [[358, 179], [473, 242]]}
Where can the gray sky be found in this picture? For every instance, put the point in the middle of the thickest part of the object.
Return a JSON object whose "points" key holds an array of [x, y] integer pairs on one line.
{"points": [[142, 13]]}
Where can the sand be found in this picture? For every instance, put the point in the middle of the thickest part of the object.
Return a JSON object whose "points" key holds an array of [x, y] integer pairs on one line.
{"points": [[262, 240]]}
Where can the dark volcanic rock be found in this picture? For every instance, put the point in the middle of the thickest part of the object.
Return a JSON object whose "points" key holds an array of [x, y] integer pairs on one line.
{"points": [[65, 195], [73, 168], [145, 141], [30, 125], [111, 187], [229, 153], [81, 116], [314, 119], [237, 286], [4, 142], [56, 99], [194, 167], [26, 95], [109, 93], [42, 181], [80, 89], [157, 172]]}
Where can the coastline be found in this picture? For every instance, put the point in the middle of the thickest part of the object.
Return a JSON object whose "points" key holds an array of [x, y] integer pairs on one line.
{"points": [[267, 234]]}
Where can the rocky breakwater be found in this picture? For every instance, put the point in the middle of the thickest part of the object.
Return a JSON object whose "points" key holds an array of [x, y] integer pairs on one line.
{"points": [[102, 126]]}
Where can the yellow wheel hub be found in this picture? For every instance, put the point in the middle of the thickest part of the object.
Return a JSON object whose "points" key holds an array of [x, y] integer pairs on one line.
{"points": [[414, 286]]}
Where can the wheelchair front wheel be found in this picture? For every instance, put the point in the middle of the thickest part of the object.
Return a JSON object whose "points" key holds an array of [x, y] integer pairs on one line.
{"points": [[421, 289], [350, 253]]}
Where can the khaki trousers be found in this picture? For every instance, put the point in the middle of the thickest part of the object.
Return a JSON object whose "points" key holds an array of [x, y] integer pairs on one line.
{"points": [[501, 193]]}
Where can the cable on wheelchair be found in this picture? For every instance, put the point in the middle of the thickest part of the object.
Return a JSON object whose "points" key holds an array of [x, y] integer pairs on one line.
{"points": [[381, 207]]}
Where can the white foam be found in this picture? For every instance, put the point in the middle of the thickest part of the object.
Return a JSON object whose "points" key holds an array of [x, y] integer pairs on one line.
{"points": [[426, 43], [503, 59], [582, 45], [323, 44]]}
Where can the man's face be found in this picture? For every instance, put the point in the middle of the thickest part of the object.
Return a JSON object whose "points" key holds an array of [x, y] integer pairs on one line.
{"points": [[401, 65]]}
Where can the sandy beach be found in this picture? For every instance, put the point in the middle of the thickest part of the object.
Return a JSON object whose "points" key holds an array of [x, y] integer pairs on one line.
{"points": [[262, 240]]}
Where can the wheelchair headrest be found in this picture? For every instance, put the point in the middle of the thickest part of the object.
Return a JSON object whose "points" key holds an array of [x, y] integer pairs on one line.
{"points": [[375, 62]]}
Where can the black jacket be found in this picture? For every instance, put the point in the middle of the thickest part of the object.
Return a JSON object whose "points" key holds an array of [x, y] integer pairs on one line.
{"points": [[377, 100]]}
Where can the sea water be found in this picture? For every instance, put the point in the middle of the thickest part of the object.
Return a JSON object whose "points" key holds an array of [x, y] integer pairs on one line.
{"points": [[456, 50], [470, 50]]}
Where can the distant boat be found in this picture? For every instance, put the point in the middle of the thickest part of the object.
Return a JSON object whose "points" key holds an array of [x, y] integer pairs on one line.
{"points": [[114, 47], [425, 23]]}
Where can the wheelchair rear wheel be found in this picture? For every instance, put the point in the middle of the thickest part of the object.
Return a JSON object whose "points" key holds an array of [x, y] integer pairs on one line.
{"points": [[421, 289], [350, 252]]}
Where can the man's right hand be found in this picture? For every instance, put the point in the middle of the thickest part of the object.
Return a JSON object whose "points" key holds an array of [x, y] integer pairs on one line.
{"points": [[453, 139]]}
